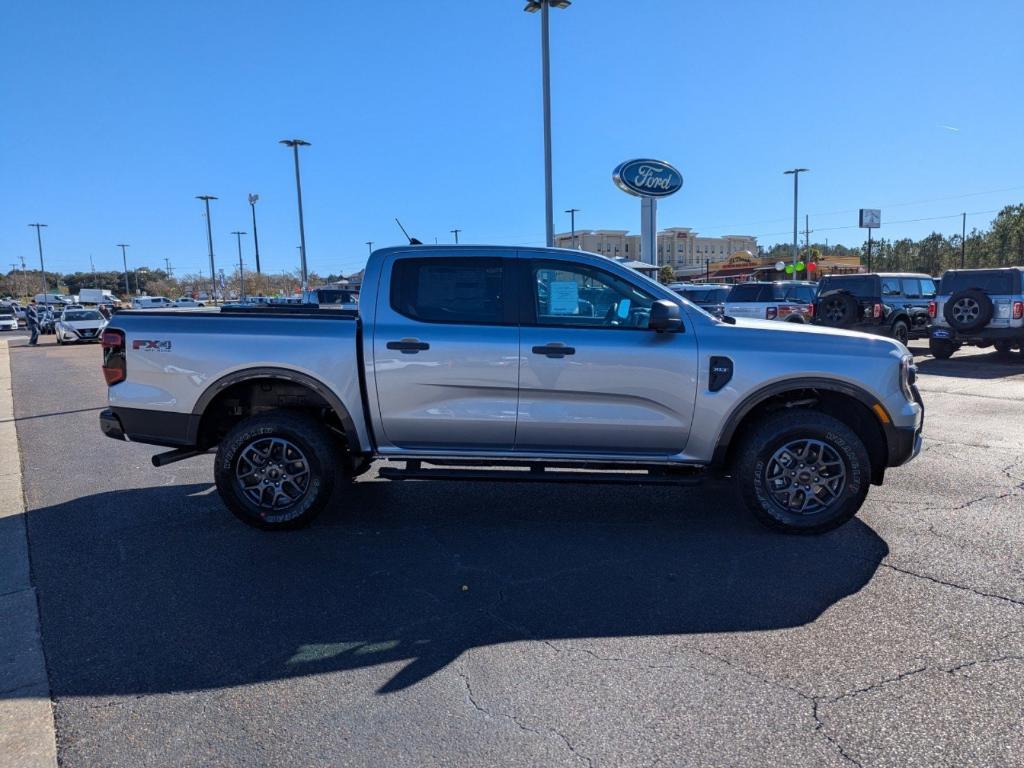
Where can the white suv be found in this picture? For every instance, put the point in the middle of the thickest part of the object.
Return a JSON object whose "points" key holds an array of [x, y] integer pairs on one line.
{"points": [[151, 302], [788, 300]]}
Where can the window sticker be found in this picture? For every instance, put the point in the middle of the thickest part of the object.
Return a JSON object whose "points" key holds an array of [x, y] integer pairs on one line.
{"points": [[564, 297]]}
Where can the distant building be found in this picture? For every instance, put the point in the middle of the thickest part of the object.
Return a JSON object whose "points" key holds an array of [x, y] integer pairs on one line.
{"points": [[679, 247]]}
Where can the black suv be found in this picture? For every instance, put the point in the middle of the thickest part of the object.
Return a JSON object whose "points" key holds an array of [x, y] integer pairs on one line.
{"points": [[980, 307], [884, 303]]}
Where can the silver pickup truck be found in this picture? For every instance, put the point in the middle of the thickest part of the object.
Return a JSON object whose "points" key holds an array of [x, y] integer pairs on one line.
{"points": [[521, 364]]}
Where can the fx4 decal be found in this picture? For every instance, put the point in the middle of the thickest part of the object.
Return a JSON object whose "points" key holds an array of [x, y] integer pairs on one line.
{"points": [[151, 346]]}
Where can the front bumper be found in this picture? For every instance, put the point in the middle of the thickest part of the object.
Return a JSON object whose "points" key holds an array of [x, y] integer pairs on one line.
{"points": [[905, 442]]}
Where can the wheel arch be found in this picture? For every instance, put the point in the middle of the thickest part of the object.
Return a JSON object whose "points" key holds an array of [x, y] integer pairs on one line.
{"points": [[241, 381], [847, 402]]}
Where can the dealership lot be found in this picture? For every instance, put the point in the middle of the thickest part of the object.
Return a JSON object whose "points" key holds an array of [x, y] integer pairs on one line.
{"points": [[478, 624]]}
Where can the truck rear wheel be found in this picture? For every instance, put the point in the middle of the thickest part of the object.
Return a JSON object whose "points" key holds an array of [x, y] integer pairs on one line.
{"points": [[803, 472], [276, 471]]}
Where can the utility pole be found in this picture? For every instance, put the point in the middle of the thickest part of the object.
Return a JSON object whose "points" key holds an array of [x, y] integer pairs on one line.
{"points": [[14, 271], [124, 257], [42, 267], [170, 271], [456, 233], [92, 266], [209, 241], [24, 277], [572, 223], [241, 268], [963, 239], [369, 245]]}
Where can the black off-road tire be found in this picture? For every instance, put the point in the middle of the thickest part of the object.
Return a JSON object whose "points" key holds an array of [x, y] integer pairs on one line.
{"points": [[316, 446], [784, 428], [901, 332], [941, 349], [837, 309], [970, 297]]}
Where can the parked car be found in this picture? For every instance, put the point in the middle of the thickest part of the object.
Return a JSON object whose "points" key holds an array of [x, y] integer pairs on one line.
{"points": [[75, 325], [8, 320], [445, 369], [708, 296], [185, 301], [152, 302], [787, 300], [887, 304], [978, 307]]}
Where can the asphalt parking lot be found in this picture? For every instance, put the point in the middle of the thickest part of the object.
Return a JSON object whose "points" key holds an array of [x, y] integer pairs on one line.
{"points": [[477, 624]]}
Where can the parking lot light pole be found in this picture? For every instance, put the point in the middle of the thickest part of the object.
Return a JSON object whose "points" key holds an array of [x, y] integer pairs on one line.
{"points": [[369, 245], [209, 241], [241, 272], [255, 240], [796, 226], [42, 268], [124, 258], [532, 6], [295, 144]]}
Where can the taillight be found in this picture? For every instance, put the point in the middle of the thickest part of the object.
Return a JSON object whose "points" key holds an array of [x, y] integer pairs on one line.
{"points": [[932, 309], [771, 313], [114, 367], [877, 311], [1018, 310]]}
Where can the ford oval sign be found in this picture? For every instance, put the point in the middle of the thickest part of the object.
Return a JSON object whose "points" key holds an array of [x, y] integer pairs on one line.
{"points": [[647, 178]]}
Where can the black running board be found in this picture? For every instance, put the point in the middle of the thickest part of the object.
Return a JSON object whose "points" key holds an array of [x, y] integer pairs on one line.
{"points": [[539, 473]]}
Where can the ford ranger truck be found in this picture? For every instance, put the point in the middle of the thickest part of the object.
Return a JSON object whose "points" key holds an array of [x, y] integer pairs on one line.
{"points": [[521, 364]]}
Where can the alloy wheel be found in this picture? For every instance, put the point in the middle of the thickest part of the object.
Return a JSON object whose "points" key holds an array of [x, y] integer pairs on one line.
{"points": [[966, 310], [273, 473], [805, 476]]}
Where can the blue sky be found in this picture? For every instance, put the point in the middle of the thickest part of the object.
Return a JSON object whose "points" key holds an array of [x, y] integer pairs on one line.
{"points": [[116, 114]]}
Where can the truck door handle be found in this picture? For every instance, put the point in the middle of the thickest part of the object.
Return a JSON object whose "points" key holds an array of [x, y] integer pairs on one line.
{"points": [[555, 351], [408, 346]]}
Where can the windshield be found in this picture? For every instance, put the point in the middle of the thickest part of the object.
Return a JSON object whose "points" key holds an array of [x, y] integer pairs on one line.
{"points": [[996, 282], [82, 314], [336, 296]]}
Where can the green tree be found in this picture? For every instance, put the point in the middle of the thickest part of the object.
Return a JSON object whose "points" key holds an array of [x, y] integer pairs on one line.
{"points": [[666, 274]]}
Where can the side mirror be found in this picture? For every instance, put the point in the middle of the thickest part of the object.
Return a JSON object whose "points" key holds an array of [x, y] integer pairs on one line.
{"points": [[665, 316]]}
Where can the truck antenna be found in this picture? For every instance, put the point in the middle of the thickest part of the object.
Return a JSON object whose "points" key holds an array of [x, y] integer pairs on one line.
{"points": [[412, 240]]}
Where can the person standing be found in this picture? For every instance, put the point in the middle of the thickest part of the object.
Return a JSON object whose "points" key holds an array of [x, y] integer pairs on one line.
{"points": [[32, 321]]}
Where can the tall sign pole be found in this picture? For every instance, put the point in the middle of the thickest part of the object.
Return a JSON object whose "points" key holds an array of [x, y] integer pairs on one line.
{"points": [[869, 219], [648, 180]]}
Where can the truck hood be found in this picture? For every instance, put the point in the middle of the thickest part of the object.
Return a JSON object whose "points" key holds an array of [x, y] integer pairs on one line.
{"points": [[818, 337]]}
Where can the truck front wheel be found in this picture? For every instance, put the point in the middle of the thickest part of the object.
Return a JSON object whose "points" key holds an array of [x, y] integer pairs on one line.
{"points": [[276, 471], [803, 471]]}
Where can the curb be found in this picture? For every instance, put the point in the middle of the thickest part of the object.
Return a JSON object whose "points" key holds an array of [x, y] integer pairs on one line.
{"points": [[27, 736]]}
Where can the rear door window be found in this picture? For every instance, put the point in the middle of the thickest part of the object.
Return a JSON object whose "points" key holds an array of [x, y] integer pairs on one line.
{"points": [[891, 286], [470, 291], [860, 286]]}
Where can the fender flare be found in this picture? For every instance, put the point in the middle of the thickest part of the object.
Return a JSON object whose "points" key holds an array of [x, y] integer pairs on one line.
{"points": [[269, 372], [751, 401]]}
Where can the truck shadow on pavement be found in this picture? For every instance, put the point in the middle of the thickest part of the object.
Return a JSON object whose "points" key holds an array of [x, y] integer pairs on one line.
{"points": [[157, 590], [978, 366]]}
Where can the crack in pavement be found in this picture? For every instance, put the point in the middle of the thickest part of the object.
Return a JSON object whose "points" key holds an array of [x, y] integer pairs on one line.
{"points": [[952, 585], [471, 698]]}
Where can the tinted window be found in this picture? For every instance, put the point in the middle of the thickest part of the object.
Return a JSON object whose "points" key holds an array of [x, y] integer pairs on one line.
{"points": [[748, 292], [449, 290], [335, 296], [927, 288], [704, 295], [891, 286], [911, 287], [990, 282], [578, 295], [862, 286], [86, 314]]}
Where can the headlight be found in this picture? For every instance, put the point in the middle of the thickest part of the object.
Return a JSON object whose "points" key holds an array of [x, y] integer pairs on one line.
{"points": [[908, 376]]}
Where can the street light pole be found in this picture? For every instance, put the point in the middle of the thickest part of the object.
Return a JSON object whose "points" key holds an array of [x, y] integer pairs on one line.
{"points": [[209, 240], [456, 233], [42, 268], [255, 239], [241, 271], [796, 226], [532, 6], [369, 246], [124, 257], [963, 239], [572, 223], [295, 144]]}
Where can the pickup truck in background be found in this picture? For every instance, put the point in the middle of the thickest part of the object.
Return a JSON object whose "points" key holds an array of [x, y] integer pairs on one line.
{"points": [[521, 364]]}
